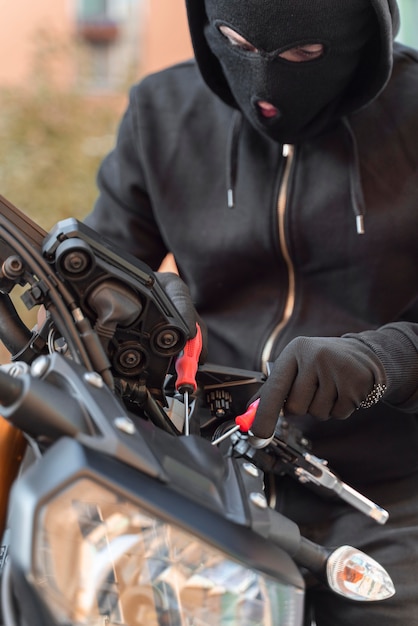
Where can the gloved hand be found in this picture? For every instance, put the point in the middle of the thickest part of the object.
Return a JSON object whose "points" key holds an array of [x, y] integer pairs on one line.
{"points": [[324, 377], [179, 294]]}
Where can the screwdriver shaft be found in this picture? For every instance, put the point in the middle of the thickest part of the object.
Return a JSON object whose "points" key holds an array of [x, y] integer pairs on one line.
{"points": [[243, 422], [186, 368], [226, 434], [186, 414]]}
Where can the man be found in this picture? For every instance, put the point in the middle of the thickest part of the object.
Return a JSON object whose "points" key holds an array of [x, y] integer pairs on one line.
{"points": [[281, 172]]}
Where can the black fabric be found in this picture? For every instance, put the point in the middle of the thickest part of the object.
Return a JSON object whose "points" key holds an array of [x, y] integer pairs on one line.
{"points": [[179, 293], [323, 376], [307, 94], [370, 80], [395, 347], [330, 377]]}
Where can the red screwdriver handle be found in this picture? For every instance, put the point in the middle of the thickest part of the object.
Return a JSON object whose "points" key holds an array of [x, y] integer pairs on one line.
{"points": [[187, 363], [245, 421]]}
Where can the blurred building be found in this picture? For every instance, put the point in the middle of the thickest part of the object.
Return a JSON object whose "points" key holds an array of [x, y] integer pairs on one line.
{"points": [[100, 45], [97, 44]]}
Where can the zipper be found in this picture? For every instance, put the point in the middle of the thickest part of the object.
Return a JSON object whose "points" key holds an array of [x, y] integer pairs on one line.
{"points": [[288, 155]]}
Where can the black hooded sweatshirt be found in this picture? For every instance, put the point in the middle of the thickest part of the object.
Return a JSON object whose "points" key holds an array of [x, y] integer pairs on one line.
{"points": [[265, 235]]}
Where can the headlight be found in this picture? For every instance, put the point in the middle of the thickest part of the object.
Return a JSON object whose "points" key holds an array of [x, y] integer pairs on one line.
{"points": [[100, 559]]}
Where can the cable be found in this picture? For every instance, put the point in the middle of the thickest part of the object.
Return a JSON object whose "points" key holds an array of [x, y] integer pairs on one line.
{"points": [[61, 305]]}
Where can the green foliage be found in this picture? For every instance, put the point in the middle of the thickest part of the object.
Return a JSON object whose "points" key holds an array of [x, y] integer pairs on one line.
{"points": [[51, 143], [52, 140]]}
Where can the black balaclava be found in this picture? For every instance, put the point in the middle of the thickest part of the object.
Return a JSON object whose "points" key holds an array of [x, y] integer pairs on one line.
{"points": [[307, 94]]}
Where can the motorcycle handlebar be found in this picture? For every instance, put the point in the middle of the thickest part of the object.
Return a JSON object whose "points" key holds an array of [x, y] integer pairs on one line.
{"points": [[39, 408], [11, 389], [13, 332]]}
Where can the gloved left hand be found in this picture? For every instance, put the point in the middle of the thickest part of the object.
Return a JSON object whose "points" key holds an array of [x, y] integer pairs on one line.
{"points": [[321, 376], [179, 294]]}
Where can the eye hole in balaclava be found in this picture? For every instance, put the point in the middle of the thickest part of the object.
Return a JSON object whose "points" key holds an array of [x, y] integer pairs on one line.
{"points": [[289, 63], [301, 53]]}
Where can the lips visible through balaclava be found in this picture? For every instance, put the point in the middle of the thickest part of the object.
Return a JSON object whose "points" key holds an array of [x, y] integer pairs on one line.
{"points": [[307, 94]]}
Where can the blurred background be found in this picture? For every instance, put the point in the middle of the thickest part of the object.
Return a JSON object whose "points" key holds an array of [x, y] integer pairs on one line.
{"points": [[65, 70]]}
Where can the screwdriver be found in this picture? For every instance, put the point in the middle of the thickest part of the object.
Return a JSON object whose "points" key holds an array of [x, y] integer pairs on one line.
{"points": [[242, 422], [186, 368]]}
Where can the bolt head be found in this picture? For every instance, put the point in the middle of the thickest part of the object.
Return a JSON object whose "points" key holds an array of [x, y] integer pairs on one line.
{"points": [[94, 379], [251, 469], [258, 500], [125, 424], [40, 366]]}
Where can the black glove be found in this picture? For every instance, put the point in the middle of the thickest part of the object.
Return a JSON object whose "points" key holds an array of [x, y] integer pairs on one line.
{"points": [[324, 377], [179, 294]]}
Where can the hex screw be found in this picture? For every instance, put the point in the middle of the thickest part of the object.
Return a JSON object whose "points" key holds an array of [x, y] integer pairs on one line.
{"points": [[258, 500], [125, 424]]}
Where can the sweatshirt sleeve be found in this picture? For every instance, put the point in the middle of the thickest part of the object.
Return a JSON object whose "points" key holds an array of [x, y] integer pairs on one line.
{"points": [[123, 211], [396, 345]]}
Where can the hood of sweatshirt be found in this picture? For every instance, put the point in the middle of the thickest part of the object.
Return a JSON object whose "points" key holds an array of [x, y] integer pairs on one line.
{"points": [[369, 75]]}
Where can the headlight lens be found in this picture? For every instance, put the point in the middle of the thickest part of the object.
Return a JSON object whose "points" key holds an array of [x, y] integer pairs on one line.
{"points": [[99, 559]]}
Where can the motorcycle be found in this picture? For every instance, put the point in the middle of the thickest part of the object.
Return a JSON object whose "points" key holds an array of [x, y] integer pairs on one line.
{"points": [[126, 497]]}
